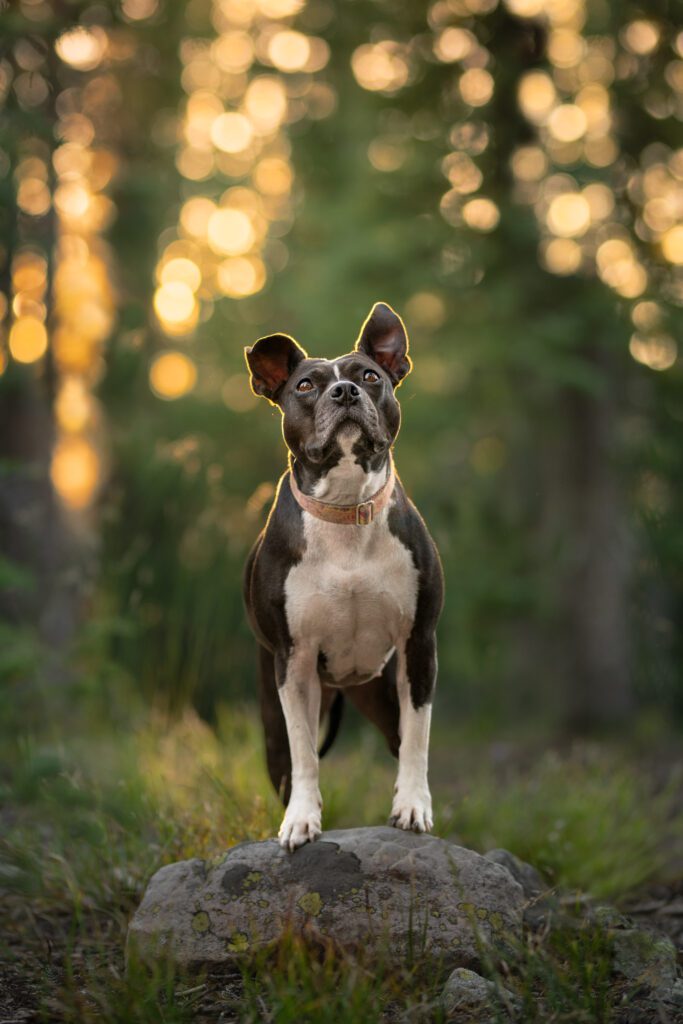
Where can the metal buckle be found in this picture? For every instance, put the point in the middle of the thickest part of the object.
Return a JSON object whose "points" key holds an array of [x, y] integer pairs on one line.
{"points": [[365, 513]]}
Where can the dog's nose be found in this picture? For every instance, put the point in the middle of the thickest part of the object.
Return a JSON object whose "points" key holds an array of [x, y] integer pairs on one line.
{"points": [[345, 392]]}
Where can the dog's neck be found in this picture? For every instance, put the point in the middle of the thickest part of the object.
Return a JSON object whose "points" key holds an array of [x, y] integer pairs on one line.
{"points": [[347, 482]]}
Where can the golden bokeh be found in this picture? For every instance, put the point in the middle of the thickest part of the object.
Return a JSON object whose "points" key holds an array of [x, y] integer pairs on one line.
{"points": [[33, 197], [529, 163], [561, 256], [75, 471], [240, 276], [265, 101], [82, 48], [656, 351], [273, 8], [646, 315], [386, 154], [29, 273], [600, 199], [139, 10], [27, 339], [380, 67], [233, 51], [195, 164], [172, 375], [569, 215], [672, 245], [641, 36], [526, 8], [234, 128], [454, 44], [619, 269], [273, 176], [566, 47], [476, 87], [182, 269], [289, 50], [175, 306], [567, 123], [73, 405], [196, 214], [230, 232], [481, 214], [536, 95], [462, 172], [232, 133]]}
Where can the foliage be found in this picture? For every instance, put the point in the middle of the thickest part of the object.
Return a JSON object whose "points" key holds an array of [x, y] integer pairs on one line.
{"points": [[542, 450]]}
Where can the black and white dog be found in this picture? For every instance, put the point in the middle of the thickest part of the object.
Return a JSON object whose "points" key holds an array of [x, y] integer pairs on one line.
{"points": [[343, 587]]}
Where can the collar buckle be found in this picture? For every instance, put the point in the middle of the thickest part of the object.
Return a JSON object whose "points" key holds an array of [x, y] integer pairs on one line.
{"points": [[365, 513]]}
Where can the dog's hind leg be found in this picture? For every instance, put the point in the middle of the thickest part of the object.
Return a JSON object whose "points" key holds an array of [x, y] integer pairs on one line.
{"points": [[274, 727], [416, 676], [378, 701]]}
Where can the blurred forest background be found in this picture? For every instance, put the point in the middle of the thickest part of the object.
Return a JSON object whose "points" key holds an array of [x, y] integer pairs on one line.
{"points": [[180, 178]]}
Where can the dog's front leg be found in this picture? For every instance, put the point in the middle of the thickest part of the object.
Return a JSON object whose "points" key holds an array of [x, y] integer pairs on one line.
{"points": [[412, 805], [300, 696]]}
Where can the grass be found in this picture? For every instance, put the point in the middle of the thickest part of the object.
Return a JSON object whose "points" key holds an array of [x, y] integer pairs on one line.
{"points": [[85, 824]]}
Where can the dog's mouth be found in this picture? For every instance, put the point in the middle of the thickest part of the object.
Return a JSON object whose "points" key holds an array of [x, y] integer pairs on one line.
{"points": [[332, 424]]}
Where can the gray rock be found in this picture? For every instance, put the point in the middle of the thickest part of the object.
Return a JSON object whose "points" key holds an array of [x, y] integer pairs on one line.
{"points": [[645, 959], [400, 891], [467, 998], [541, 902], [528, 877], [675, 995]]}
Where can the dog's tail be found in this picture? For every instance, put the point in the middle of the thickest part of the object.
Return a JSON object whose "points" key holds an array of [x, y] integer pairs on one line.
{"points": [[334, 721]]}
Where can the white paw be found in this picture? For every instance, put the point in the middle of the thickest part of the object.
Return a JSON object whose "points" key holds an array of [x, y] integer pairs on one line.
{"points": [[412, 811], [300, 825]]}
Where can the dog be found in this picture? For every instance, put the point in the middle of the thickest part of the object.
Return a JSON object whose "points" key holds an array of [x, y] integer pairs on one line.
{"points": [[343, 588]]}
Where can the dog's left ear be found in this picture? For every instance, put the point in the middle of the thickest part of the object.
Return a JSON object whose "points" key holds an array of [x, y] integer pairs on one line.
{"points": [[383, 337], [271, 362]]}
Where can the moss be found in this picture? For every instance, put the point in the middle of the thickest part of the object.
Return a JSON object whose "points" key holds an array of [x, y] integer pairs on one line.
{"points": [[201, 922], [310, 903], [238, 942]]}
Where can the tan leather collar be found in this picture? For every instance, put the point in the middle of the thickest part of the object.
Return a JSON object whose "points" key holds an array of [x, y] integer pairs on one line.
{"points": [[346, 515]]}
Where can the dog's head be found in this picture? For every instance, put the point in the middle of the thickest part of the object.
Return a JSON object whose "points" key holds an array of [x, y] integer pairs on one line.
{"points": [[320, 399]]}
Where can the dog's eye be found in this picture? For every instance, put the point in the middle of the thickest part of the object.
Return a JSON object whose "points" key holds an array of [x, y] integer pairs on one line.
{"points": [[305, 385], [371, 377]]}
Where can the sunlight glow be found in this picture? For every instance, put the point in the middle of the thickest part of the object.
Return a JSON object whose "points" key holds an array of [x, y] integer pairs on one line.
{"points": [[656, 351], [27, 339], [75, 471], [380, 67], [172, 375], [569, 215], [82, 48], [481, 214]]}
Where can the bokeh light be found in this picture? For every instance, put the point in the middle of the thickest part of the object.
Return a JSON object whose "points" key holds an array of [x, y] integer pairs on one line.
{"points": [[172, 375], [27, 339], [75, 471], [481, 214]]}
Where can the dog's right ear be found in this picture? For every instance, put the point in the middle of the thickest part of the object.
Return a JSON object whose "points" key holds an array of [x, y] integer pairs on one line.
{"points": [[271, 361]]}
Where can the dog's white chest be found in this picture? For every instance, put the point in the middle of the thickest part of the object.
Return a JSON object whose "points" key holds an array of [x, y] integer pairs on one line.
{"points": [[352, 597]]}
